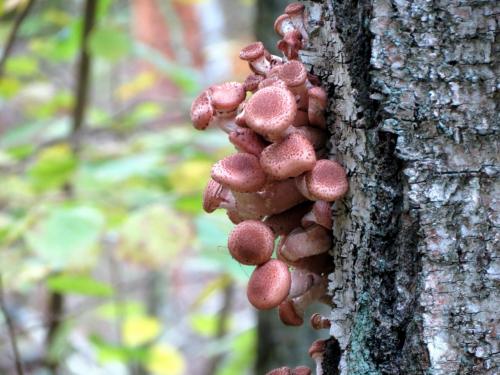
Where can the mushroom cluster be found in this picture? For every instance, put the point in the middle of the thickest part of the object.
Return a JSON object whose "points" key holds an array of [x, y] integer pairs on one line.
{"points": [[278, 186]]}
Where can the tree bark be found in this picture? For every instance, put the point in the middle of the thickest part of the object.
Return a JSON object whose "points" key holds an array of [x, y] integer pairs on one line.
{"points": [[413, 87]]}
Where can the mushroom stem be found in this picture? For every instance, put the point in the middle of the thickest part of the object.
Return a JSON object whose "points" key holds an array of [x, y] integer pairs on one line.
{"points": [[316, 352]]}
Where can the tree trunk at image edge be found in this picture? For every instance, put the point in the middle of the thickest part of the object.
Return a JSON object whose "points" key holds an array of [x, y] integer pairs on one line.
{"points": [[412, 87]]}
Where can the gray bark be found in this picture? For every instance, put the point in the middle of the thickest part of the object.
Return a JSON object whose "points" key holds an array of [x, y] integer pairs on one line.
{"points": [[413, 87]]}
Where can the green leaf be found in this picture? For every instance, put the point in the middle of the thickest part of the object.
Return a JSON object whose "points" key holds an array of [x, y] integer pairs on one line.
{"points": [[53, 168], [21, 66], [139, 330], [165, 359], [85, 285], [204, 324], [154, 235], [109, 43], [9, 87], [67, 236]]}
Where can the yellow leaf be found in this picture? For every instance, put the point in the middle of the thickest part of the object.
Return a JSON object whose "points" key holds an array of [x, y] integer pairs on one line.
{"points": [[139, 330], [140, 83], [191, 176], [165, 360]]}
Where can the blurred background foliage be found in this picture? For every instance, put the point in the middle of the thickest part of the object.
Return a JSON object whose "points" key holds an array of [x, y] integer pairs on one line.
{"points": [[108, 265]]}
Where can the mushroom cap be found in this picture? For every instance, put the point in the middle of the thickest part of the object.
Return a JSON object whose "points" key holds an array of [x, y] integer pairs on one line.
{"points": [[272, 81], [317, 348], [212, 196], [294, 8], [239, 172], [269, 285], [253, 51], [319, 322], [301, 370], [301, 243], [227, 96], [327, 181], [288, 315], [289, 157], [320, 214], [246, 140], [270, 111], [318, 94], [280, 22], [293, 73], [280, 371], [279, 196], [201, 111], [251, 242], [252, 82]]}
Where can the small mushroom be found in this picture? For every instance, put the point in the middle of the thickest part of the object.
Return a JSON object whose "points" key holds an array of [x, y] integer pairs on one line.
{"points": [[295, 12], [327, 181], [289, 157], [240, 172], [270, 111], [217, 196], [255, 54], [251, 242], [319, 322], [269, 285], [291, 44], [316, 352], [202, 111]]}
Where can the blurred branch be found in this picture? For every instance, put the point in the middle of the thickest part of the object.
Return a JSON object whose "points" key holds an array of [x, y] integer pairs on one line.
{"points": [[222, 324], [12, 333], [56, 300], [11, 38]]}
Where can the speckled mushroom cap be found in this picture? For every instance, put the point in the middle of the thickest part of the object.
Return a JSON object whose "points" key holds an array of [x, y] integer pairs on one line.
{"points": [[201, 111], [246, 140], [269, 285], [251, 242], [227, 96], [288, 315], [293, 73], [272, 81], [253, 51], [327, 181], [240, 172], [289, 157], [270, 111], [252, 81], [280, 371]]}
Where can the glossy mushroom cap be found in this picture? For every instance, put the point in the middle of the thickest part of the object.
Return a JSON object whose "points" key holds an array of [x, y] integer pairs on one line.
{"points": [[327, 181], [251, 242], [201, 111], [269, 285], [270, 111], [246, 140], [227, 96], [240, 172], [303, 243], [289, 157]]}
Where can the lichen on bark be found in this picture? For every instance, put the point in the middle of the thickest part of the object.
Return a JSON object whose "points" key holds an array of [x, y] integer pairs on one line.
{"points": [[413, 88]]}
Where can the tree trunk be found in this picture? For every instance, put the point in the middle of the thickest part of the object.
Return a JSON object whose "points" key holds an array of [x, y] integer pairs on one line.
{"points": [[412, 113]]}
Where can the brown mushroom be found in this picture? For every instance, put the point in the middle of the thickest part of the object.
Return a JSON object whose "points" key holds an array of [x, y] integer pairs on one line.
{"points": [[269, 285], [316, 352], [289, 157], [255, 54], [270, 111], [294, 74], [327, 181], [240, 172], [251, 242]]}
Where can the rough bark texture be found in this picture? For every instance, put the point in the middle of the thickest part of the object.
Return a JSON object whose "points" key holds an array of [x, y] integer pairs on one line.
{"points": [[413, 87]]}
